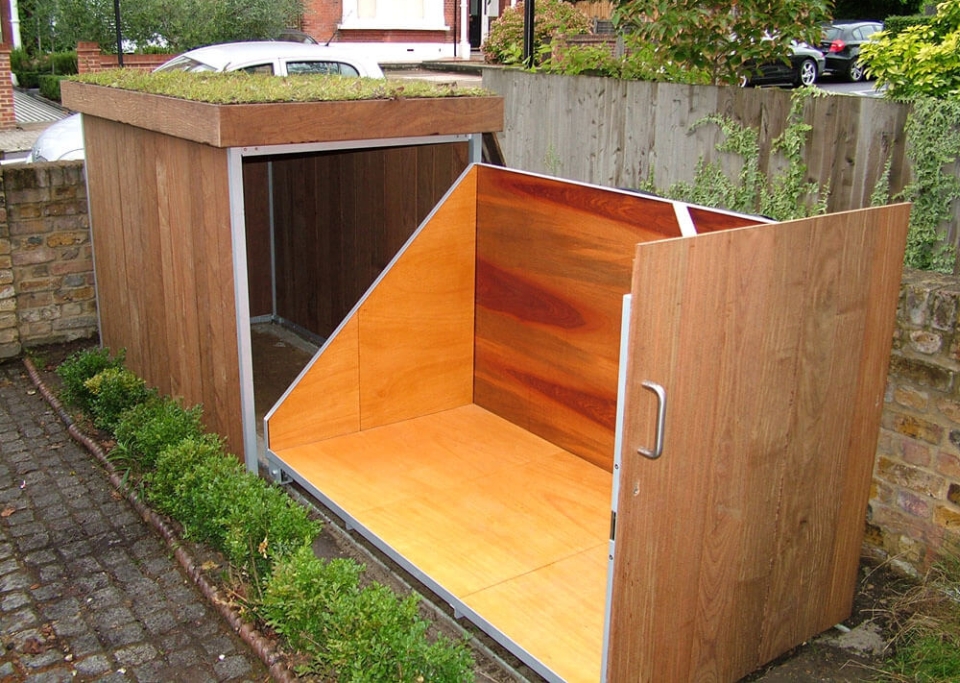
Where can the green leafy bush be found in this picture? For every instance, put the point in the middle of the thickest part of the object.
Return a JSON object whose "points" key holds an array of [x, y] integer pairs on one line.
{"points": [[80, 367], [208, 491], [63, 63], [19, 59], [264, 525], [145, 430], [50, 86], [894, 25], [114, 390], [359, 634], [504, 44], [191, 483], [921, 60], [588, 60]]}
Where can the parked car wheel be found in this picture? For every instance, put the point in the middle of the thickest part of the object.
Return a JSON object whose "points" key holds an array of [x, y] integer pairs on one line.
{"points": [[855, 73], [807, 73]]}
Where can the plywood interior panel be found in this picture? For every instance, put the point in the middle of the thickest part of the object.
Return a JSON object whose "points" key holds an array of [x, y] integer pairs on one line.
{"points": [[746, 567], [553, 262], [408, 346], [164, 266], [495, 516], [325, 402], [340, 217], [416, 327]]}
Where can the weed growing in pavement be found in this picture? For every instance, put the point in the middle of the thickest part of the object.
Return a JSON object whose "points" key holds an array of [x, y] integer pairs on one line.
{"points": [[362, 634]]}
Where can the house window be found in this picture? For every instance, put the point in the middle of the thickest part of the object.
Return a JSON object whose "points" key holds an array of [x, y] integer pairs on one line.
{"points": [[393, 14]]}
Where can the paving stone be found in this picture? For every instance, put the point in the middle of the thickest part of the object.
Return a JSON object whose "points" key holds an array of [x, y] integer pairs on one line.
{"points": [[84, 577], [135, 655], [55, 676], [13, 601], [93, 665], [18, 621]]}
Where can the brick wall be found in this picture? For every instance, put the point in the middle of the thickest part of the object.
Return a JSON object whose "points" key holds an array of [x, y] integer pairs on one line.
{"points": [[8, 115], [46, 266], [91, 60], [914, 514]]}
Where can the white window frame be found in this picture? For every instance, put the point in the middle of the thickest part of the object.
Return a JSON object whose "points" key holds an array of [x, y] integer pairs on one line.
{"points": [[432, 19]]}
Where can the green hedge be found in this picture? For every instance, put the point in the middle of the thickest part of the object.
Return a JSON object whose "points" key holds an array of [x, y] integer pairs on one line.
{"points": [[340, 627], [895, 25]]}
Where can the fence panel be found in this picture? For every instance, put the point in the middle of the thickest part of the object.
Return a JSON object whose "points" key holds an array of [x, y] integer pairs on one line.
{"points": [[616, 133]]}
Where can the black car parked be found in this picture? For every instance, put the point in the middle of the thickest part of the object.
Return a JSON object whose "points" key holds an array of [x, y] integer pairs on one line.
{"points": [[803, 68], [841, 46]]}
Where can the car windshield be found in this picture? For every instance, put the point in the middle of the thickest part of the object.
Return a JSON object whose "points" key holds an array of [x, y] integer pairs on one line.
{"points": [[184, 63]]}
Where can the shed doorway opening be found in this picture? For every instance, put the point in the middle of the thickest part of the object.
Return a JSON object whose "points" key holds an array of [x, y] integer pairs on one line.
{"points": [[320, 227]]}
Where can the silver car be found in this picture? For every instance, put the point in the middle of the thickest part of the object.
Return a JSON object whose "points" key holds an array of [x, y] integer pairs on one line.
{"points": [[63, 141]]}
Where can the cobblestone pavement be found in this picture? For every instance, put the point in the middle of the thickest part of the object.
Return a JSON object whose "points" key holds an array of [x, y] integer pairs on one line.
{"points": [[88, 591]]}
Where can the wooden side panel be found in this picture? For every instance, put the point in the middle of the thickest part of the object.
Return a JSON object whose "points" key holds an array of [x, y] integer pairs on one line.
{"points": [[342, 216], [741, 541], [553, 263], [106, 217], [256, 207], [407, 350], [161, 230]]}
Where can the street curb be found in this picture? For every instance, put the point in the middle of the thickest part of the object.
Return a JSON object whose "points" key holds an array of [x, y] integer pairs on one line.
{"points": [[262, 647]]}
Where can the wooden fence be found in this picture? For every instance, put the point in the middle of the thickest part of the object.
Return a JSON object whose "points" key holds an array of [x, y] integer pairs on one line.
{"points": [[619, 133]]}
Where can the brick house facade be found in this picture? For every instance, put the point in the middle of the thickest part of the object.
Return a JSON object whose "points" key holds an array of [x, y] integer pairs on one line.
{"points": [[414, 28]]}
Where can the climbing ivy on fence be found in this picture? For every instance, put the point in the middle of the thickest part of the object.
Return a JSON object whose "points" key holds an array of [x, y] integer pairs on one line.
{"points": [[783, 196], [933, 149], [933, 146]]}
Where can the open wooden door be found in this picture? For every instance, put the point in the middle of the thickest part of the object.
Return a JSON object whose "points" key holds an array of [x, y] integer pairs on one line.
{"points": [[743, 538]]}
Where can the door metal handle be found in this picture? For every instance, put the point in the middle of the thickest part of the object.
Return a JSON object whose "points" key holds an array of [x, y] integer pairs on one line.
{"points": [[661, 420]]}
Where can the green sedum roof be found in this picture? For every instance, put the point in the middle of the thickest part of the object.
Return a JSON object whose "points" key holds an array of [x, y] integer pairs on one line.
{"points": [[237, 87]]}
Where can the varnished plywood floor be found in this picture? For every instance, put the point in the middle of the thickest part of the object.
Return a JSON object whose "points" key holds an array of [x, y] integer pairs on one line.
{"points": [[512, 526]]}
